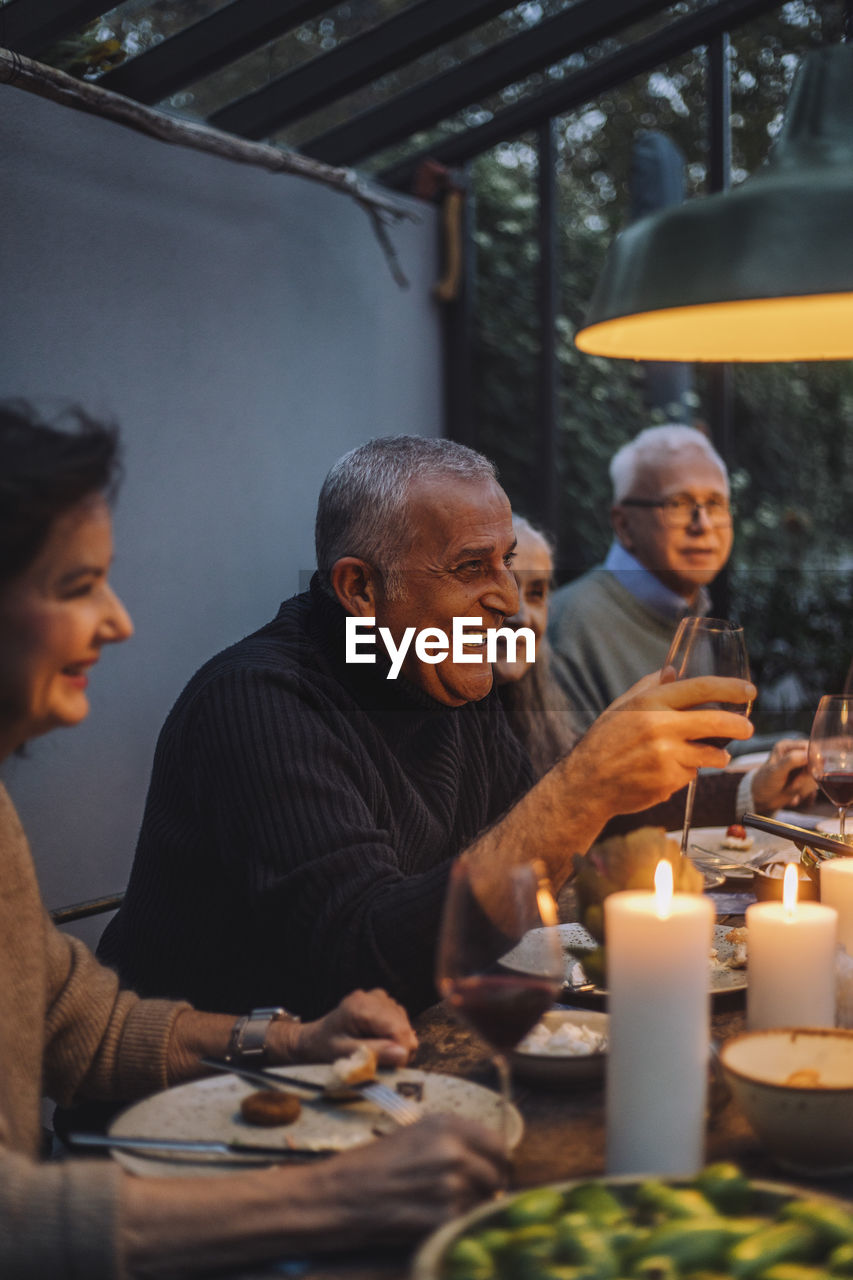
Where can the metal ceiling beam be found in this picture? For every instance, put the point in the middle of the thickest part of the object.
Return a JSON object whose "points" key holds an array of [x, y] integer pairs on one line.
{"points": [[541, 46], [410, 33], [28, 26], [204, 47], [575, 90]]}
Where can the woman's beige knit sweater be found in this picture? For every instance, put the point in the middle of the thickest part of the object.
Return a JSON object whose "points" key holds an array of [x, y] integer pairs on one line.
{"points": [[65, 1031]]}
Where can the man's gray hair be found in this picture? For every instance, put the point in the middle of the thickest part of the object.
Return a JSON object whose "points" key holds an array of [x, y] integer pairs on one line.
{"points": [[363, 506], [657, 447]]}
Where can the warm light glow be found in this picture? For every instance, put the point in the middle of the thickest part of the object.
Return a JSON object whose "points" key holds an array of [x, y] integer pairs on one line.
{"points": [[790, 886], [816, 327], [663, 889], [547, 906]]}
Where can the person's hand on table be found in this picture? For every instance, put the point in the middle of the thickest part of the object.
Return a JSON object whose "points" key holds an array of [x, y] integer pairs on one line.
{"points": [[363, 1017], [784, 781], [413, 1180]]}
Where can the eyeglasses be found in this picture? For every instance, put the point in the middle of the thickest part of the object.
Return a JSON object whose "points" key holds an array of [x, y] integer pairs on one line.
{"points": [[681, 510]]}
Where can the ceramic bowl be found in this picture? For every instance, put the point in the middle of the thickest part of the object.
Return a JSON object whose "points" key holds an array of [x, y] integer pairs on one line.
{"points": [[563, 1070], [795, 1087], [768, 879]]}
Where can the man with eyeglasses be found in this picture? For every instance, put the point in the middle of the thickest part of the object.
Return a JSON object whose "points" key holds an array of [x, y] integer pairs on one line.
{"points": [[673, 534]]}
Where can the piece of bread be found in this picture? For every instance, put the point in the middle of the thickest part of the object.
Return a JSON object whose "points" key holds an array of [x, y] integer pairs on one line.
{"points": [[270, 1106], [356, 1069]]}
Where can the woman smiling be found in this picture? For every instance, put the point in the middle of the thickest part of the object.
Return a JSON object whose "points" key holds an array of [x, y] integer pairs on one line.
{"points": [[66, 1028]]}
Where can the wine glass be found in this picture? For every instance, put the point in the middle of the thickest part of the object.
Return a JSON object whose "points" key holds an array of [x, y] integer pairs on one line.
{"points": [[707, 647], [831, 751], [500, 962]]}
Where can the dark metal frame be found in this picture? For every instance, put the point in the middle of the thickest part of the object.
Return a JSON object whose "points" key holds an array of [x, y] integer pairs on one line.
{"points": [[416, 30], [208, 45], [584, 23], [28, 26]]}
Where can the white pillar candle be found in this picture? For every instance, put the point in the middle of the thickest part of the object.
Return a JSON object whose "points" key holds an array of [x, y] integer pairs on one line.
{"points": [[658, 980], [836, 890], [791, 966]]}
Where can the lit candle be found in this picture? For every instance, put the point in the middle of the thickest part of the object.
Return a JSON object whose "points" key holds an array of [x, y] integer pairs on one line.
{"points": [[836, 890], [658, 980], [791, 975]]}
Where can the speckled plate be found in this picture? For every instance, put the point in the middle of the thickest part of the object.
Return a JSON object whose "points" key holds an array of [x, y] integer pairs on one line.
{"points": [[211, 1109], [574, 939]]}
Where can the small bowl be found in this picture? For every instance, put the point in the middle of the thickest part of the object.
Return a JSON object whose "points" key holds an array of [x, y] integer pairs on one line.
{"points": [[767, 882], [563, 1070], [795, 1087]]}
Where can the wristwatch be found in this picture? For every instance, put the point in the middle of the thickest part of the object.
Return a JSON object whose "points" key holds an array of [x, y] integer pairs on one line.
{"points": [[248, 1040]]}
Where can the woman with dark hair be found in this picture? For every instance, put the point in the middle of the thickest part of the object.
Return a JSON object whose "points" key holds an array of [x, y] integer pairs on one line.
{"points": [[66, 1028], [541, 716]]}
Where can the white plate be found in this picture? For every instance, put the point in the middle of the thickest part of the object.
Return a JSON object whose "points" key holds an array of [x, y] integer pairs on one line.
{"points": [[574, 938], [211, 1109], [711, 839]]}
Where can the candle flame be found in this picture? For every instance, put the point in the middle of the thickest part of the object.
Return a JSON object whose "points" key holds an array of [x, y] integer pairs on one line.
{"points": [[547, 906], [790, 886], [663, 889]]}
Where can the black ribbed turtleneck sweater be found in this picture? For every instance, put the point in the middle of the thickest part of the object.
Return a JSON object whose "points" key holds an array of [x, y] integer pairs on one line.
{"points": [[300, 821]]}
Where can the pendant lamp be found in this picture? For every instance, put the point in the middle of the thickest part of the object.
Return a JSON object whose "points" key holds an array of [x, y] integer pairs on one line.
{"points": [[761, 272]]}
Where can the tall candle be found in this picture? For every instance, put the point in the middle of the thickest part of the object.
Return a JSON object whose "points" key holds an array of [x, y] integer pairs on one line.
{"points": [[836, 890], [658, 979], [791, 973]]}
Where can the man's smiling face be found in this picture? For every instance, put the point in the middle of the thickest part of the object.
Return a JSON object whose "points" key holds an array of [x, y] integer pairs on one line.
{"points": [[458, 566]]}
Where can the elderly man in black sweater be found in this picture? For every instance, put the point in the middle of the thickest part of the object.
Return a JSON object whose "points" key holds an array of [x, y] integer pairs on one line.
{"points": [[311, 786]]}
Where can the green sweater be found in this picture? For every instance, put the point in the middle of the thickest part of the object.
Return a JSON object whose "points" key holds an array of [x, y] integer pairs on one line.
{"points": [[65, 1030], [604, 640]]}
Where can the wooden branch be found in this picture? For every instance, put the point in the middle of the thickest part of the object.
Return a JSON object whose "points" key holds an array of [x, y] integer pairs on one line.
{"points": [[58, 86]]}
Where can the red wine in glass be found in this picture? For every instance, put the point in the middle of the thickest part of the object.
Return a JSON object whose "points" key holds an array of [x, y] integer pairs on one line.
{"points": [[837, 787], [500, 961], [502, 1008], [831, 752]]}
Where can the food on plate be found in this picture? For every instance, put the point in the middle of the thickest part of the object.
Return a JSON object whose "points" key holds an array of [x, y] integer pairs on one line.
{"points": [[356, 1069], [269, 1107], [569, 1039], [736, 838], [805, 1078], [718, 1225]]}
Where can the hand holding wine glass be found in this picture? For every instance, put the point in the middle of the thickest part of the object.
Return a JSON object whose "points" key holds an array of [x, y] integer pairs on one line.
{"points": [[831, 752], [500, 962], [707, 647]]}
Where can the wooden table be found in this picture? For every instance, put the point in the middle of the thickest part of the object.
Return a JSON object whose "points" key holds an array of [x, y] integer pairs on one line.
{"points": [[563, 1130]]}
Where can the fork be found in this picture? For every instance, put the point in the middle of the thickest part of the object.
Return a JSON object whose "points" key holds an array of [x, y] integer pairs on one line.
{"points": [[401, 1109]]}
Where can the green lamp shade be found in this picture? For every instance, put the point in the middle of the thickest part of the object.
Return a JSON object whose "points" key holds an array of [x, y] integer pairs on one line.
{"points": [[762, 272]]}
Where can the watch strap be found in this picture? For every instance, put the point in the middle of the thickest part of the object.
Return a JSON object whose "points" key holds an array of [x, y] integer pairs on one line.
{"points": [[248, 1040]]}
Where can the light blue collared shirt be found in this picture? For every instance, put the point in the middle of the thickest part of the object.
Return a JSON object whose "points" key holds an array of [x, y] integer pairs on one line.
{"points": [[649, 590]]}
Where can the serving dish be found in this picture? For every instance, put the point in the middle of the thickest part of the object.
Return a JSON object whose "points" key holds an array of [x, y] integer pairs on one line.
{"points": [[210, 1108], [795, 1087], [434, 1259], [563, 1070]]}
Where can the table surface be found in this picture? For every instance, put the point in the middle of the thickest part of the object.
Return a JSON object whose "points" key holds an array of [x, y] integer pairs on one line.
{"points": [[563, 1130]]}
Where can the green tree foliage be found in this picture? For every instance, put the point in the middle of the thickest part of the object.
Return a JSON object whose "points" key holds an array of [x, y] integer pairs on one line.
{"points": [[792, 569]]}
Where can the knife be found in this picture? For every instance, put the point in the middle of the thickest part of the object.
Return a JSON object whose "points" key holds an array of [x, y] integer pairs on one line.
{"points": [[203, 1146]]}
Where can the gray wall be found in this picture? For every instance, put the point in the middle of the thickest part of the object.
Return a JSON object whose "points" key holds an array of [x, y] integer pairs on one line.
{"points": [[245, 330]]}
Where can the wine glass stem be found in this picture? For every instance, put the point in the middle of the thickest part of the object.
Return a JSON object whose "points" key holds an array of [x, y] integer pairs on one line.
{"points": [[688, 814], [502, 1068], [842, 817]]}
